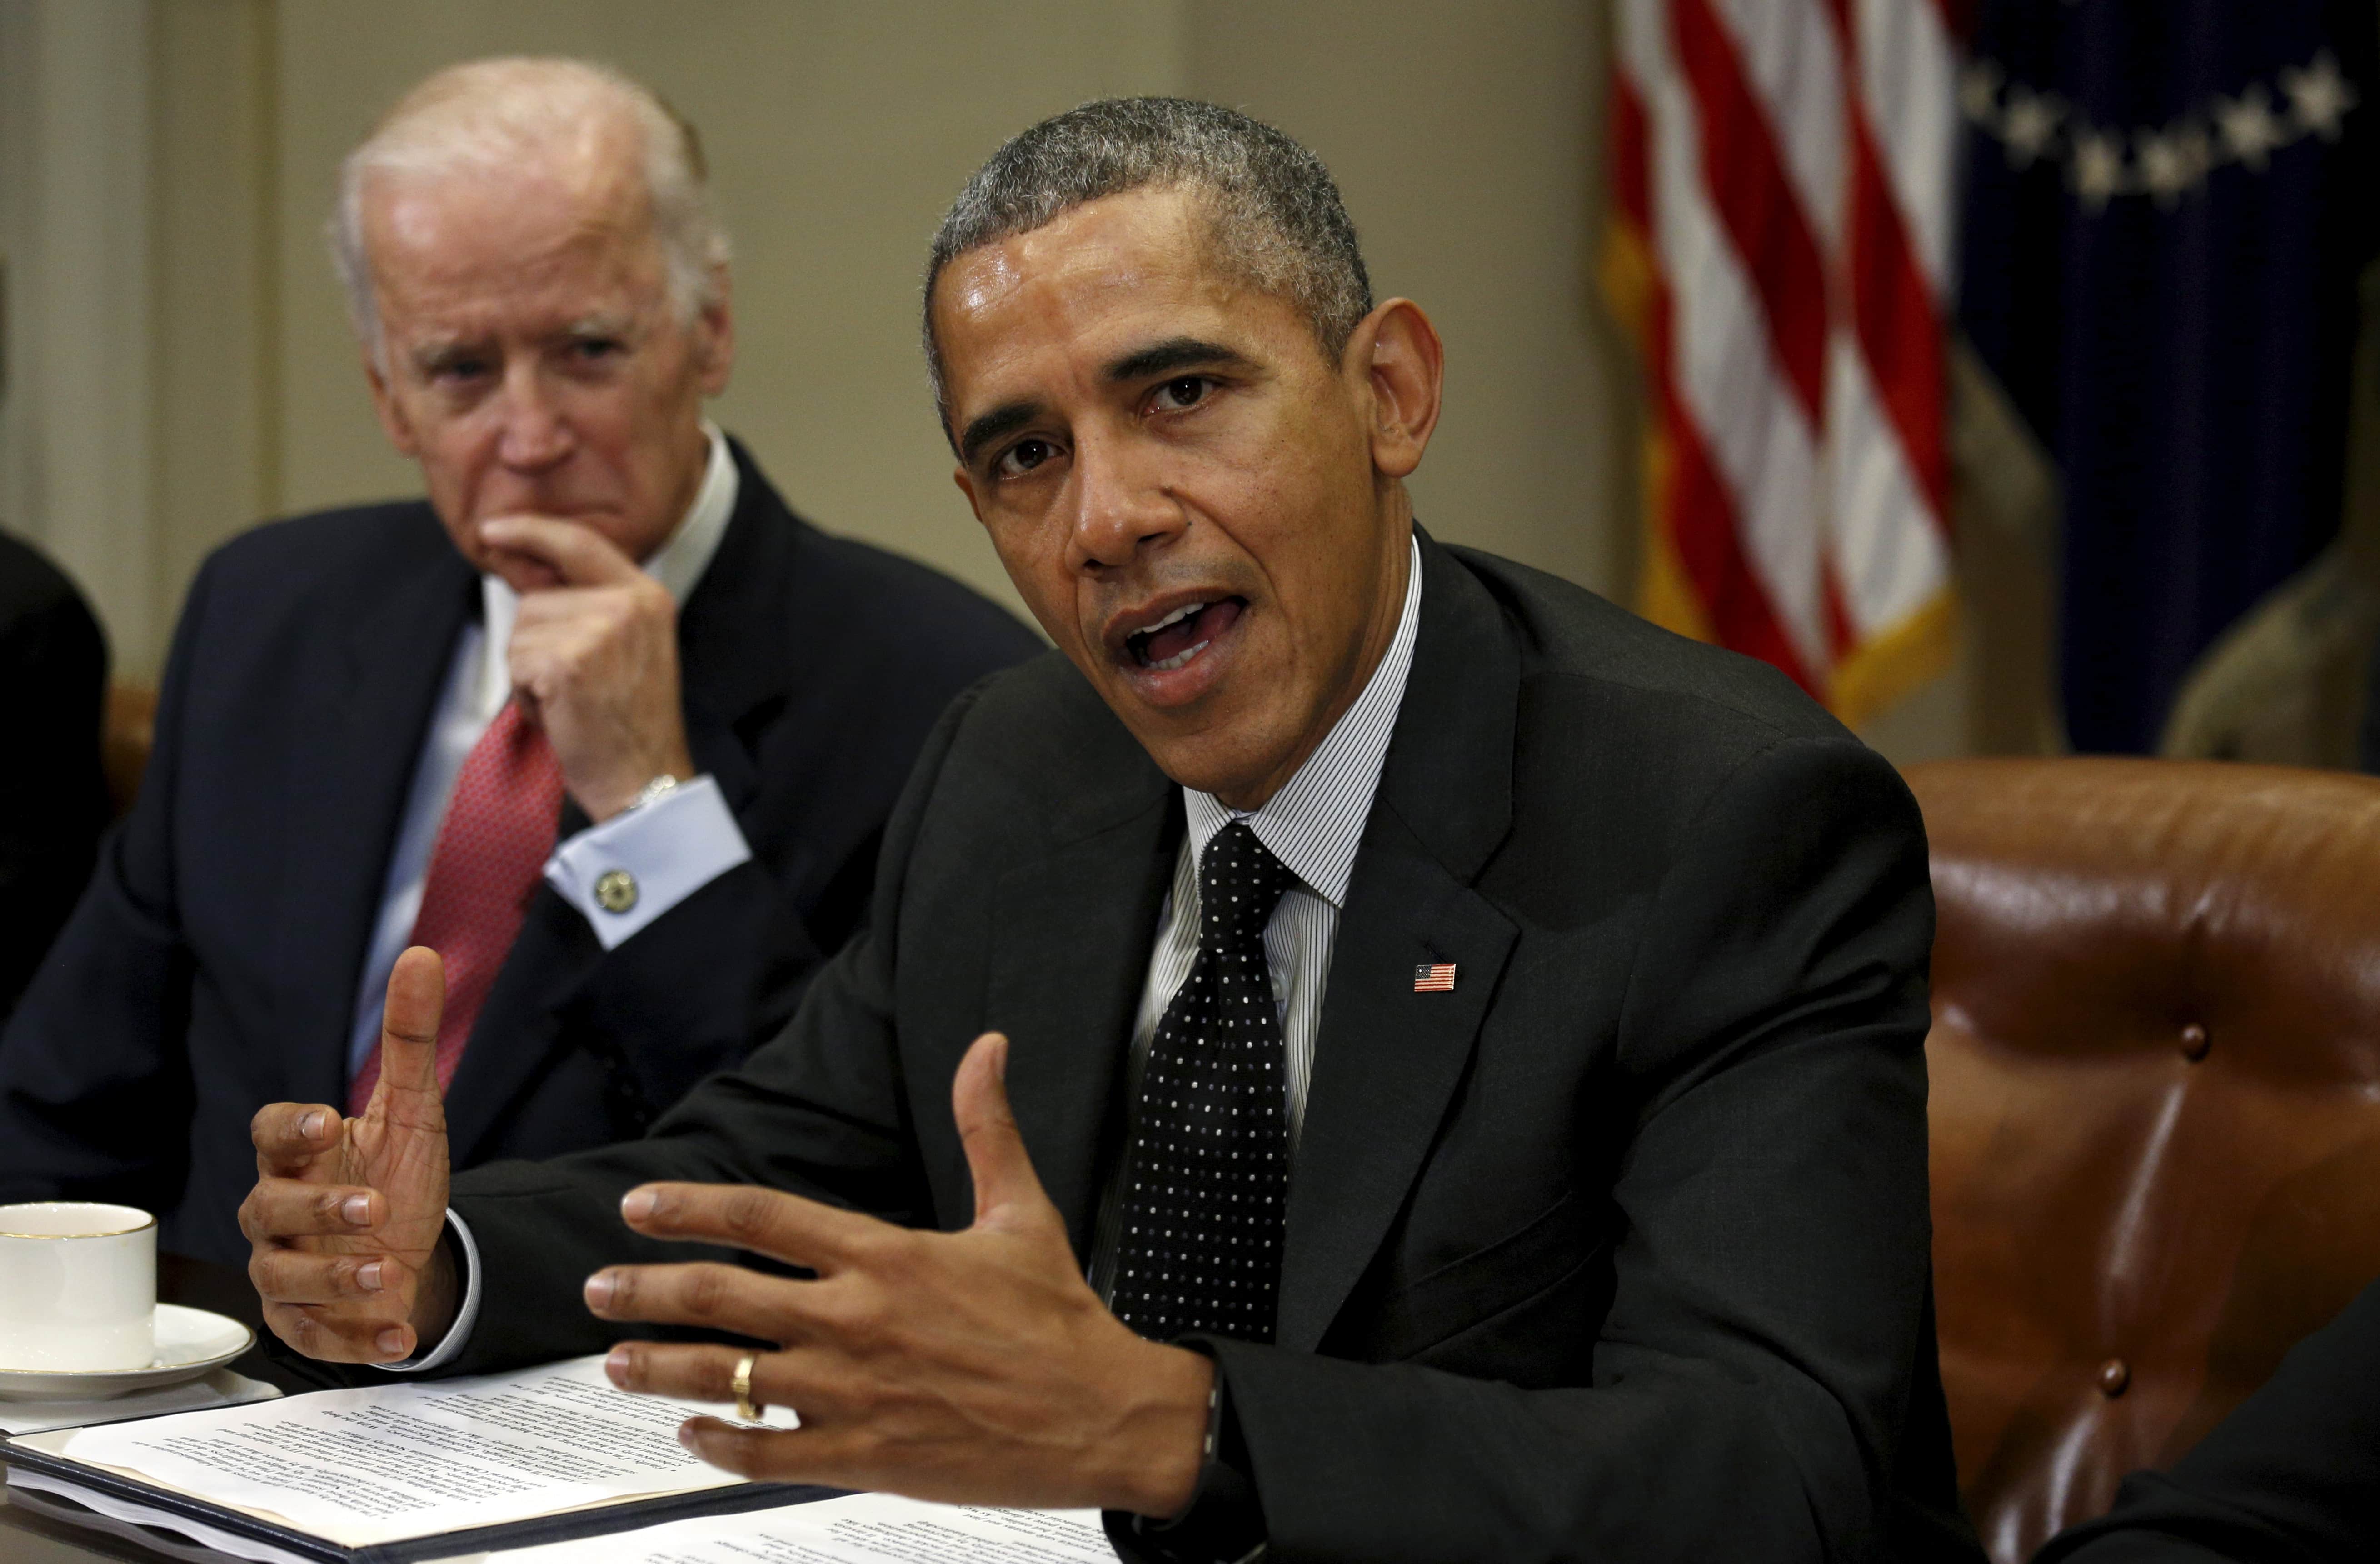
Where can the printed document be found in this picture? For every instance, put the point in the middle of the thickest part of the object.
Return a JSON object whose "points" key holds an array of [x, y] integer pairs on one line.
{"points": [[862, 1529], [408, 1460]]}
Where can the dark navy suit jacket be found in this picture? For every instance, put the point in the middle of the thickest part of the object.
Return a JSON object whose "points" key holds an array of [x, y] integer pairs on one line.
{"points": [[212, 966]]}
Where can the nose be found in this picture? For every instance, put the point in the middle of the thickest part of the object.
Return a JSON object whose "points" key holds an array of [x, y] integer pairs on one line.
{"points": [[534, 434], [1123, 506]]}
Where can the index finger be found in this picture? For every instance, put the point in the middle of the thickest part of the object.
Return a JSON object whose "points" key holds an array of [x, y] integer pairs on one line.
{"points": [[765, 1221], [289, 1135], [574, 551]]}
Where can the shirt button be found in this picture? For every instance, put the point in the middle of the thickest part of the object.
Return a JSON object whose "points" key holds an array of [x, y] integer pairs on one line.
{"points": [[616, 890]]}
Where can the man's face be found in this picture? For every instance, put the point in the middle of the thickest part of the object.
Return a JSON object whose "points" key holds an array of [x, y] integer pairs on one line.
{"points": [[533, 362], [1178, 481]]}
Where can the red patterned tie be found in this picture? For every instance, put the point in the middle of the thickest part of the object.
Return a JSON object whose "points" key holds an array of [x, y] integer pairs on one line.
{"points": [[492, 849]]}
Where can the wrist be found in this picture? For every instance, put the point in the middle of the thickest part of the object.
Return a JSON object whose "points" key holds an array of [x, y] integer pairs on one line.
{"points": [[654, 791], [1164, 1440], [439, 1300], [632, 787]]}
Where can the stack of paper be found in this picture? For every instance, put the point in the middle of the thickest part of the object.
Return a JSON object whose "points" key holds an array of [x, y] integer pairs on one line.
{"points": [[403, 1461]]}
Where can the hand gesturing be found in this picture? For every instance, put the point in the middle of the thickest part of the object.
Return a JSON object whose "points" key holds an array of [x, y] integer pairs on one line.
{"points": [[347, 1213], [969, 1367]]}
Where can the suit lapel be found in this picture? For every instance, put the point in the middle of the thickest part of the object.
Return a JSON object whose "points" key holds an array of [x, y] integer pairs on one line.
{"points": [[731, 631], [1388, 1060], [1069, 958], [368, 726]]}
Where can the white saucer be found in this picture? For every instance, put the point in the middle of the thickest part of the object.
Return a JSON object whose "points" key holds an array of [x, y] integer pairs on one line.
{"points": [[189, 1343]]}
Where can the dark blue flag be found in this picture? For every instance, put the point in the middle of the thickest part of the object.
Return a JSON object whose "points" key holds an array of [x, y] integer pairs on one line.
{"points": [[2166, 205]]}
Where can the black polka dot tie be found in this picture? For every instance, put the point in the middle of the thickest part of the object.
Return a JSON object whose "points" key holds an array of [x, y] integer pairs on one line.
{"points": [[1206, 1180]]}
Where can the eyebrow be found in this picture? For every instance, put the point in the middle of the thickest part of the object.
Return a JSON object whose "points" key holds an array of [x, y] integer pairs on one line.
{"points": [[603, 324], [1173, 353], [431, 356], [1003, 420]]}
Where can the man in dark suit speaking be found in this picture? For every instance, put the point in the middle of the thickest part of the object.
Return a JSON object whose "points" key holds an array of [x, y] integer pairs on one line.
{"points": [[600, 713], [1373, 1053]]}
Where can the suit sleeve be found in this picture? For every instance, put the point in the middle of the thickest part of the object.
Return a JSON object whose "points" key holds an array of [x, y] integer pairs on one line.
{"points": [[54, 802], [659, 1033], [94, 1088], [762, 931], [819, 1110], [2294, 1473], [1770, 1267]]}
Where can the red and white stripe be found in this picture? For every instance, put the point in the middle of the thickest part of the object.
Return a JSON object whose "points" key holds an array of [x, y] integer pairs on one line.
{"points": [[1786, 165]]}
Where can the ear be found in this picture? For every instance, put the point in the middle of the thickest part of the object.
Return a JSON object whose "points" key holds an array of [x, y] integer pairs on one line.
{"points": [[715, 335], [393, 420], [965, 480], [1402, 366]]}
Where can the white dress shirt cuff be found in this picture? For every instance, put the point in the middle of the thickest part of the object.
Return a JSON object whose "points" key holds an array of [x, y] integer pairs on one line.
{"points": [[637, 865], [466, 1317]]}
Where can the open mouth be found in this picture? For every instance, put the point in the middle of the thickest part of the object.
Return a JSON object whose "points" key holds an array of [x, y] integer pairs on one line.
{"points": [[1176, 640]]}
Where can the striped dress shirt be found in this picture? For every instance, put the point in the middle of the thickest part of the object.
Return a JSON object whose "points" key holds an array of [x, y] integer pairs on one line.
{"points": [[1313, 825]]}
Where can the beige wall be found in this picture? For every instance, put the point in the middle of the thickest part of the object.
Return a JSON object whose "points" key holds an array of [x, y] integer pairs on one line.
{"points": [[1467, 142], [837, 130]]}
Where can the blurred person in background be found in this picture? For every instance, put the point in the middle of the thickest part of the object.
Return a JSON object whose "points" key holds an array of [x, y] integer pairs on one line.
{"points": [[53, 795], [601, 720]]}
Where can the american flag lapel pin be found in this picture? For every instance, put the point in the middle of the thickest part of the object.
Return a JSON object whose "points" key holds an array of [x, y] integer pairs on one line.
{"points": [[1434, 978]]}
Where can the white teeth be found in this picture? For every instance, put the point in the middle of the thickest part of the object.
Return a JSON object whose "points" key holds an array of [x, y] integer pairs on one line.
{"points": [[1184, 611], [1179, 658]]}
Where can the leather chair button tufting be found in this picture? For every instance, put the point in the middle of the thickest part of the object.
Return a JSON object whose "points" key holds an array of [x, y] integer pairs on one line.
{"points": [[2195, 1042], [2114, 1375]]}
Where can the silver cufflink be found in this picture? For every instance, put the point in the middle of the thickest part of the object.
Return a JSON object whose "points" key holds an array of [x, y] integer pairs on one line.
{"points": [[616, 890]]}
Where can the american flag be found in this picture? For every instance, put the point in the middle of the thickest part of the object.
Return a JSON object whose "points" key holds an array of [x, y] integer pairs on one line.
{"points": [[1781, 244], [1438, 979]]}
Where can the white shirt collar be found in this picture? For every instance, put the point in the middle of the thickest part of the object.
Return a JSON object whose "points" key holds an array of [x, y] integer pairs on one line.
{"points": [[1316, 822], [677, 565]]}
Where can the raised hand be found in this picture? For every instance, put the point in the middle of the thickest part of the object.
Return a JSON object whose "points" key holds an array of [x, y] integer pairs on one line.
{"points": [[346, 1214], [593, 659], [969, 1367]]}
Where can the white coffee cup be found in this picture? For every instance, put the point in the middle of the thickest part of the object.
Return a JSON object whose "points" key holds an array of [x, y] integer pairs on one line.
{"points": [[78, 1286]]}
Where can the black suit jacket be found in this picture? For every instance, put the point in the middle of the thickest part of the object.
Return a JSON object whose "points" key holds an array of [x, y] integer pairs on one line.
{"points": [[53, 797], [2292, 1477], [1617, 1251], [212, 966]]}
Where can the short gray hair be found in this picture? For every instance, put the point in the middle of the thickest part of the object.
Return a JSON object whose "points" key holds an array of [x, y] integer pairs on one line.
{"points": [[485, 115], [1275, 215]]}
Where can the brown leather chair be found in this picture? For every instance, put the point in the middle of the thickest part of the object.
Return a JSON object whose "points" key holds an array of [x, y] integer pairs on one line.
{"points": [[2155, 1109]]}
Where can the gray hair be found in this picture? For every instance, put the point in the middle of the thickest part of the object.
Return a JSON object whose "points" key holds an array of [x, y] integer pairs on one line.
{"points": [[1275, 215], [486, 115]]}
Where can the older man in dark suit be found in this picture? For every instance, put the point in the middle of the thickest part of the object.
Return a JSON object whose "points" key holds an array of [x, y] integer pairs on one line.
{"points": [[1374, 1053], [603, 721]]}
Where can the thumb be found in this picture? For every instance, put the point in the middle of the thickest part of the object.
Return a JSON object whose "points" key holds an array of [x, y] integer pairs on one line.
{"points": [[1005, 1186], [407, 1090]]}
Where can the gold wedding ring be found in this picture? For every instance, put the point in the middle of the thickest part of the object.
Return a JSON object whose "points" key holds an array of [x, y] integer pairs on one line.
{"points": [[742, 1385]]}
